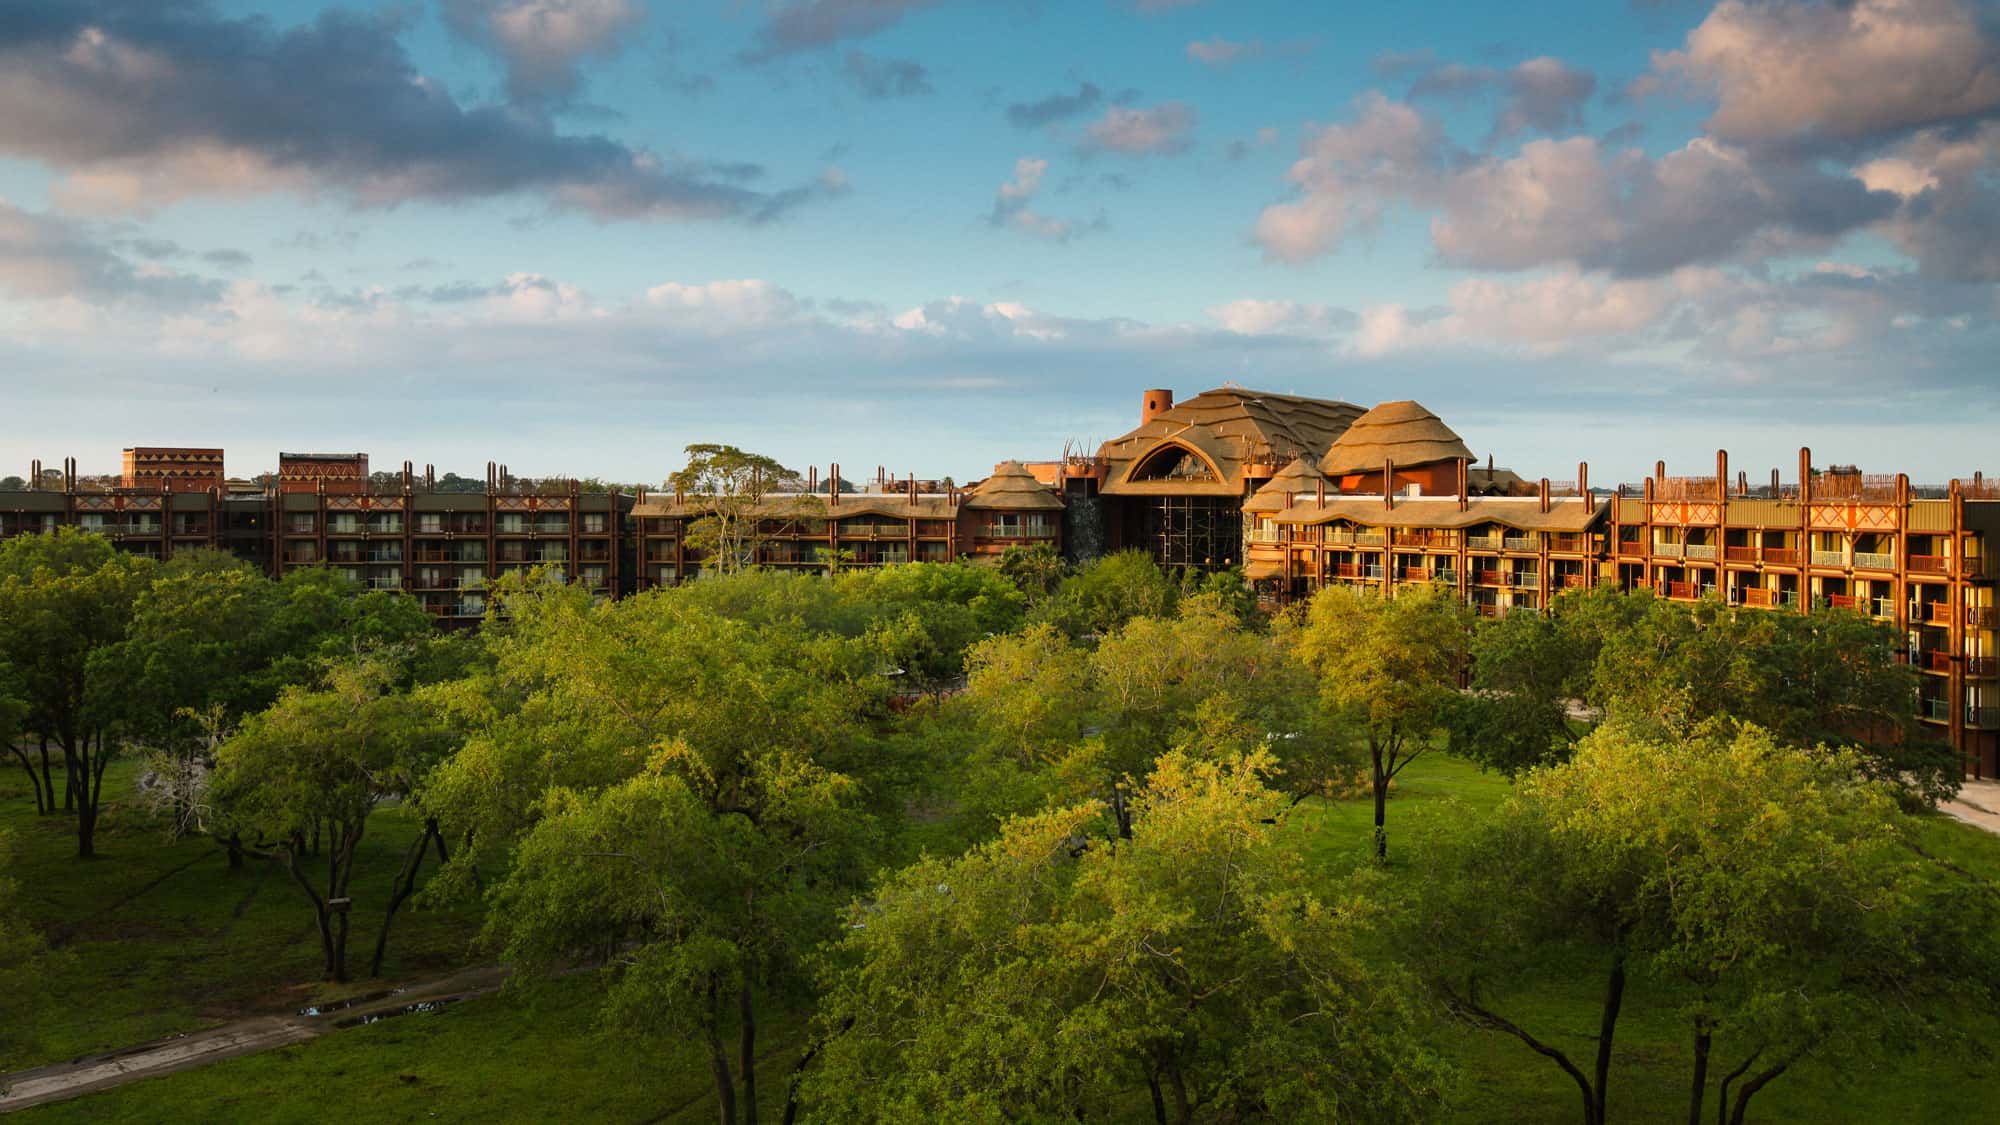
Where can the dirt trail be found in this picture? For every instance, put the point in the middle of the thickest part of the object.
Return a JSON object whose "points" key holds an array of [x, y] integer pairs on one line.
{"points": [[1977, 804], [62, 1081]]}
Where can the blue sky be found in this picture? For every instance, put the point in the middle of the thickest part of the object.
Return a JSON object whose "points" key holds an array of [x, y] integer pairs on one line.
{"points": [[576, 235]]}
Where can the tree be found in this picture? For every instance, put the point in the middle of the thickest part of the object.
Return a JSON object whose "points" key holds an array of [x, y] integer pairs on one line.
{"points": [[321, 761], [730, 485], [1388, 667], [1036, 571], [64, 597], [12, 483], [1526, 670], [1106, 592], [689, 791], [1771, 884], [1039, 979]]}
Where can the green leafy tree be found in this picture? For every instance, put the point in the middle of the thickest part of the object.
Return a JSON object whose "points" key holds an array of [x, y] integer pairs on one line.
{"points": [[320, 761], [730, 486], [1527, 669], [1387, 667], [64, 598], [691, 791], [1041, 978], [1106, 592], [1037, 571], [1770, 886]]}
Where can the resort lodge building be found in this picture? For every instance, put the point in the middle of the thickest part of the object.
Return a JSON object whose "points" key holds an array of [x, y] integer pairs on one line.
{"points": [[1298, 492]]}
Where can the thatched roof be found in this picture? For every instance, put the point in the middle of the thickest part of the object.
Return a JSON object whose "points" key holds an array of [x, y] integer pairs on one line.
{"points": [[1401, 431], [1296, 479], [1227, 429], [1014, 488], [1567, 514]]}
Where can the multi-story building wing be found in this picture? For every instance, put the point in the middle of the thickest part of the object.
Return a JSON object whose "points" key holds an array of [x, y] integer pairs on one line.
{"points": [[1915, 557]]}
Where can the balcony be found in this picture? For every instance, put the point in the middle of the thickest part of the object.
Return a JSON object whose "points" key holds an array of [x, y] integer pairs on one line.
{"points": [[1670, 550], [1935, 661], [1982, 667], [1930, 564], [1981, 616], [1341, 537], [1936, 710], [1374, 572], [1705, 551], [1829, 558], [1840, 601], [1781, 556], [1527, 579], [385, 556], [1371, 539], [1268, 536], [1982, 718], [1484, 542], [1347, 570], [1759, 596], [1740, 554], [1873, 560], [1575, 581], [1489, 577], [1569, 544], [1631, 547], [1520, 543], [1934, 613]]}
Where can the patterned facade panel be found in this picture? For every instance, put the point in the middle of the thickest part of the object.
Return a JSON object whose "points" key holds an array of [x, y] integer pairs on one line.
{"points": [[143, 503], [512, 503], [1686, 512], [96, 503], [1852, 517]]}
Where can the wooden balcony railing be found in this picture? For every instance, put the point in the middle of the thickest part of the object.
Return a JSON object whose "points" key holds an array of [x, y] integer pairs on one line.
{"points": [[1982, 616], [1569, 544], [1683, 591], [1840, 601], [1937, 661], [1759, 596], [1937, 613], [1930, 564], [1631, 547], [1740, 554], [1489, 577], [1347, 570], [1782, 556], [1571, 581]]}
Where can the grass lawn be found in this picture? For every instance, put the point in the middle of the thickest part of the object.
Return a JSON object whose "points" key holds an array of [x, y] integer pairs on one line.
{"points": [[157, 937], [534, 1054]]}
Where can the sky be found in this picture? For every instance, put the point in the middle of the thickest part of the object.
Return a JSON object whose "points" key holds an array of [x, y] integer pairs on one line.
{"points": [[576, 236]]}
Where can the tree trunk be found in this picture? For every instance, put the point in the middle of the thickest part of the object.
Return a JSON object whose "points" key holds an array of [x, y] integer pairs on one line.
{"points": [[34, 779], [235, 847], [402, 889], [1751, 1087], [746, 1051], [1722, 1093], [1159, 1099], [1607, 1024], [292, 849], [1381, 779], [1183, 1109], [1698, 1088], [725, 1087], [48, 777]]}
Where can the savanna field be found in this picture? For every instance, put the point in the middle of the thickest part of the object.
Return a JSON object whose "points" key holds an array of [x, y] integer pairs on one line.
{"points": [[1016, 843]]}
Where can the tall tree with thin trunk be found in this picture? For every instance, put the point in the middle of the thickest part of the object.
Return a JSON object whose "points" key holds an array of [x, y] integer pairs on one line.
{"points": [[65, 597], [320, 761], [1388, 668], [732, 489], [1772, 887]]}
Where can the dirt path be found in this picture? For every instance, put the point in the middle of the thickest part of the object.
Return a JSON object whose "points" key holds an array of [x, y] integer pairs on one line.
{"points": [[1978, 804], [62, 1081]]}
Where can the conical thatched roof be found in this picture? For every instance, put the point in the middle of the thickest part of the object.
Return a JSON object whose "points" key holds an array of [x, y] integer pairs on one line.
{"points": [[1400, 431], [1014, 488], [1297, 478]]}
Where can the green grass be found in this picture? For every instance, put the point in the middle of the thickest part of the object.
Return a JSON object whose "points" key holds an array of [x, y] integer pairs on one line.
{"points": [[534, 1054], [157, 937], [527, 1055]]}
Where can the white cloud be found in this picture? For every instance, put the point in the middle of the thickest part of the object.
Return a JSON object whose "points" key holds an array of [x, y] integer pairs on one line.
{"points": [[1252, 317], [1791, 71]]}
